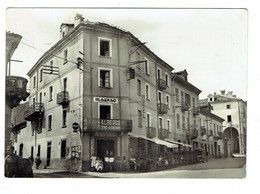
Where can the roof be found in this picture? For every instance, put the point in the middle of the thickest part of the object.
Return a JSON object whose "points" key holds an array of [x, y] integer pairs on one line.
{"points": [[211, 115], [98, 24], [185, 83]]}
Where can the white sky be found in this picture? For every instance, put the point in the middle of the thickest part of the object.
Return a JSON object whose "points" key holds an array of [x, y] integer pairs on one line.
{"points": [[211, 44]]}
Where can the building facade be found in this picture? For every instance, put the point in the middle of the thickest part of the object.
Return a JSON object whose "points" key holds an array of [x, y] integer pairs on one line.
{"points": [[211, 127], [233, 109], [100, 91]]}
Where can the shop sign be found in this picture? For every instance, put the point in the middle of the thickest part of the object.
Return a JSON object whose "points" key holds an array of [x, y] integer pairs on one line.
{"points": [[105, 99], [110, 124]]}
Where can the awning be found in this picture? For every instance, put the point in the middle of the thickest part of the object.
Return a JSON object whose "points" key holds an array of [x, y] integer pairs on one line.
{"points": [[155, 140], [178, 143]]}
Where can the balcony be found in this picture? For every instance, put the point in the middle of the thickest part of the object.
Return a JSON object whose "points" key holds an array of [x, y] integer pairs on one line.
{"points": [[162, 108], [196, 111], [203, 131], [34, 112], [216, 137], [162, 84], [151, 132], [108, 125], [220, 134], [163, 133], [194, 133], [184, 106], [210, 133], [63, 97], [15, 90]]}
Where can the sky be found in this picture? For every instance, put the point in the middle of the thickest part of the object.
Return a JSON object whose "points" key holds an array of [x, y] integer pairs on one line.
{"points": [[211, 44]]}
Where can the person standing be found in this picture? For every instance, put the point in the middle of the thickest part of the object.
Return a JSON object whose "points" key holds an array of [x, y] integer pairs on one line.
{"points": [[12, 163], [38, 161]]}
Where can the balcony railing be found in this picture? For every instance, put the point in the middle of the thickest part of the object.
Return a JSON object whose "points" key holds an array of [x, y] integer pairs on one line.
{"points": [[194, 133], [162, 84], [203, 131], [151, 132], [108, 125], [196, 111], [34, 112], [163, 133], [63, 97], [184, 106], [162, 108]]}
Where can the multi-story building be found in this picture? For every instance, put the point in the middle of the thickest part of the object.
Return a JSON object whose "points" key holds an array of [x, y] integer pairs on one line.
{"points": [[233, 110], [211, 127], [186, 110], [86, 80]]}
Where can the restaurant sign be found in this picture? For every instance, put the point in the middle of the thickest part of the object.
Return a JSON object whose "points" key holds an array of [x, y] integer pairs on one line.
{"points": [[105, 99]]}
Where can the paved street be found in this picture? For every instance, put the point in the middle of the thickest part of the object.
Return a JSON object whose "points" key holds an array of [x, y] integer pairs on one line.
{"points": [[216, 168]]}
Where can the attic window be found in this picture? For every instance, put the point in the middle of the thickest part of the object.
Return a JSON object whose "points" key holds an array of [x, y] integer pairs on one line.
{"points": [[105, 47]]}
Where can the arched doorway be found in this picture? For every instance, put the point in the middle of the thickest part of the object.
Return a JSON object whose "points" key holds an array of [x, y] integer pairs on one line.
{"points": [[232, 135], [21, 150]]}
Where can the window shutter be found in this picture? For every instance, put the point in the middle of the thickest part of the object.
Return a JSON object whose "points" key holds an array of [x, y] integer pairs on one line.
{"points": [[107, 79]]}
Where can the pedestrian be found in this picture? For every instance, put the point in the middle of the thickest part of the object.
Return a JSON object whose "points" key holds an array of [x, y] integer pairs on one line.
{"points": [[93, 162], [207, 153], [132, 163], [12, 163], [38, 161]]}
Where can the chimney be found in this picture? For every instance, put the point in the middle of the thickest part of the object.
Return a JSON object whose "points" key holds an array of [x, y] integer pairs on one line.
{"points": [[78, 19], [230, 93], [222, 92]]}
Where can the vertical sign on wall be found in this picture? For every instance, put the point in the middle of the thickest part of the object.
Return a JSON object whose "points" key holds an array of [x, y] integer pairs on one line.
{"points": [[143, 105]]}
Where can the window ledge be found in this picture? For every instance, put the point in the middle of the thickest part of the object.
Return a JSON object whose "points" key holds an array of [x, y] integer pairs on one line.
{"points": [[106, 57], [105, 87], [64, 126]]}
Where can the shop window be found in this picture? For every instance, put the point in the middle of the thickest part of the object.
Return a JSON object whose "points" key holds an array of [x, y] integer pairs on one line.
{"points": [[63, 149], [105, 46], [105, 78]]}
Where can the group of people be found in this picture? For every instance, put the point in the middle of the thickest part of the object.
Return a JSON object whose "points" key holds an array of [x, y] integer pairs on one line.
{"points": [[15, 166]]}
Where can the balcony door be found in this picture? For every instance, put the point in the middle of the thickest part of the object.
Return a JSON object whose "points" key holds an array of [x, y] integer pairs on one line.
{"points": [[105, 112]]}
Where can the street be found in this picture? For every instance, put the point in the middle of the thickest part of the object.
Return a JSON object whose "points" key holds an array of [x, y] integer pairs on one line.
{"points": [[215, 168]]}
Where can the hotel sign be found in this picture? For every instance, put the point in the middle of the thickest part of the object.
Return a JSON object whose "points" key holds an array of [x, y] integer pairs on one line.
{"points": [[105, 99]]}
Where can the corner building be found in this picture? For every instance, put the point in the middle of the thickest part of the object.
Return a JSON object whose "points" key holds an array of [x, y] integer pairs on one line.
{"points": [[86, 101]]}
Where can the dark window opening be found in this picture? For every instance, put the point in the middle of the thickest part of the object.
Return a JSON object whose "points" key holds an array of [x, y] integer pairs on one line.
{"points": [[104, 48], [105, 112], [39, 150], [139, 118], [139, 87], [63, 149], [32, 151], [228, 106], [41, 73], [229, 119], [104, 78], [21, 150], [50, 91], [64, 118], [65, 56], [65, 84], [50, 122]]}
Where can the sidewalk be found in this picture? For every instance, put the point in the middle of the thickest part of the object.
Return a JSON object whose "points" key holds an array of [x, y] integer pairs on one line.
{"points": [[46, 171]]}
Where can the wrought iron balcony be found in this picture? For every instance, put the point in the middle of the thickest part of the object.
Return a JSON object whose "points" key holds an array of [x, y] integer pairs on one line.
{"points": [[162, 108], [151, 132], [162, 84], [193, 134], [196, 111], [63, 97], [203, 130], [34, 112], [184, 106], [163, 133], [107, 125], [15, 90]]}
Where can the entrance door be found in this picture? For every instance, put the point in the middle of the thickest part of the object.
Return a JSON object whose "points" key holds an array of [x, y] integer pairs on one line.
{"points": [[48, 153], [105, 112], [105, 147]]}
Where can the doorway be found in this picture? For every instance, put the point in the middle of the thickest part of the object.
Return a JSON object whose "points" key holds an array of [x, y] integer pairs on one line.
{"points": [[48, 154], [105, 147]]}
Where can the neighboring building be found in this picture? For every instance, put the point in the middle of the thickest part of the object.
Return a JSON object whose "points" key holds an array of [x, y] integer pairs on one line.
{"points": [[233, 110], [15, 85], [117, 90], [212, 133], [186, 110]]}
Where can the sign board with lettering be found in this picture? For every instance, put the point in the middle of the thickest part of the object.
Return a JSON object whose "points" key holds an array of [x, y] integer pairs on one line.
{"points": [[105, 99]]}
